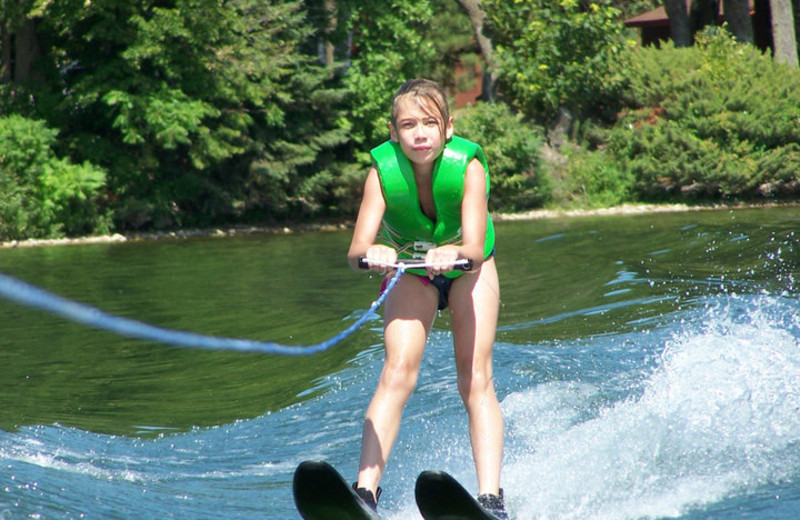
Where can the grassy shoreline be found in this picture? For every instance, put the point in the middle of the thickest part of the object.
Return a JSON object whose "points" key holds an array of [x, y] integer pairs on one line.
{"points": [[538, 214]]}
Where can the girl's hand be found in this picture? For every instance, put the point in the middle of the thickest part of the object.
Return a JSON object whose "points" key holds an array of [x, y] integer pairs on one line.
{"points": [[445, 255], [381, 253]]}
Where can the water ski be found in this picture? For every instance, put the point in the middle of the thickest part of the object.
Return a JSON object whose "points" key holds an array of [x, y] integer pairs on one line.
{"points": [[440, 497], [320, 493]]}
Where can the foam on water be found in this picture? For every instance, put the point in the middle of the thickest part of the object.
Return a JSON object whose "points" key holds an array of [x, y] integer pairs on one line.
{"points": [[672, 421], [717, 416]]}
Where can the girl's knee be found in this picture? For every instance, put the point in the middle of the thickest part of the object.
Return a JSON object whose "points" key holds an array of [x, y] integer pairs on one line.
{"points": [[399, 378], [474, 386]]}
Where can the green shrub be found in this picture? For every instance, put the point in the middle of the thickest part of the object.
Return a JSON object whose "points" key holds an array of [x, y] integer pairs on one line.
{"points": [[44, 196], [591, 179], [561, 53], [719, 119], [512, 149]]}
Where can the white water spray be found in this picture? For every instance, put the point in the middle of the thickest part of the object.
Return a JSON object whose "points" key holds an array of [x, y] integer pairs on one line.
{"points": [[718, 417]]}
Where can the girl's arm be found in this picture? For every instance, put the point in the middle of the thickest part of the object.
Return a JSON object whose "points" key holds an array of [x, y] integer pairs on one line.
{"points": [[474, 213], [368, 224]]}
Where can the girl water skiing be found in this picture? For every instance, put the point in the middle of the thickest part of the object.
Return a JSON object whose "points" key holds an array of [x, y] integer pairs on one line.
{"points": [[427, 195]]}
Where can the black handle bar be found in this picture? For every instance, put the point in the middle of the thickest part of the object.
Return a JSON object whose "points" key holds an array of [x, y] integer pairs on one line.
{"points": [[464, 264]]}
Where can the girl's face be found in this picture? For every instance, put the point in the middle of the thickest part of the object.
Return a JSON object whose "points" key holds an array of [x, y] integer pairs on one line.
{"points": [[420, 132]]}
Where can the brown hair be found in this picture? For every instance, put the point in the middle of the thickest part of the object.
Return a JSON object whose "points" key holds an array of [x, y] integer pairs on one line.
{"points": [[430, 96]]}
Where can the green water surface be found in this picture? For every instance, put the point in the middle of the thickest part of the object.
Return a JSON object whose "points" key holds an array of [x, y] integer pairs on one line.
{"points": [[560, 278]]}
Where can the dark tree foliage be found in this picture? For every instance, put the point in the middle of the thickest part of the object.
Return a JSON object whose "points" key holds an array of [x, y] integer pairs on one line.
{"points": [[186, 103]]}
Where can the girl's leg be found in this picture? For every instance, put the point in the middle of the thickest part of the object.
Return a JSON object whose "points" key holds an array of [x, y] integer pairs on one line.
{"points": [[474, 306], [409, 313]]}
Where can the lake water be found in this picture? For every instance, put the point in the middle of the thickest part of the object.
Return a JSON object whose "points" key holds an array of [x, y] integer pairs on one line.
{"points": [[648, 367]]}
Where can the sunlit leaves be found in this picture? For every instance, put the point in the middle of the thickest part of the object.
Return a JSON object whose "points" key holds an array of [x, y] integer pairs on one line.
{"points": [[552, 54], [716, 119], [44, 196]]}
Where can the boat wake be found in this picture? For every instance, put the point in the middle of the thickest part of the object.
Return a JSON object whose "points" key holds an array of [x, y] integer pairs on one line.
{"points": [[716, 416]]}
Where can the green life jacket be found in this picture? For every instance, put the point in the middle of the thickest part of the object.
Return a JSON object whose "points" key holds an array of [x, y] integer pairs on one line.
{"points": [[405, 226]]}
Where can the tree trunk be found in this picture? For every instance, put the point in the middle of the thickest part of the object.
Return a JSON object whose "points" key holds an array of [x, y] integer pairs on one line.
{"points": [[796, 9], [478, 18], [5, 55], [737, 14], [678, 22], [26, 50], [330, 27], [783, 35]]}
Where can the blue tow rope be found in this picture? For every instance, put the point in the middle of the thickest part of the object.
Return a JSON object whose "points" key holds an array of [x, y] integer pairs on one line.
{"points": [[32, 296]]}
